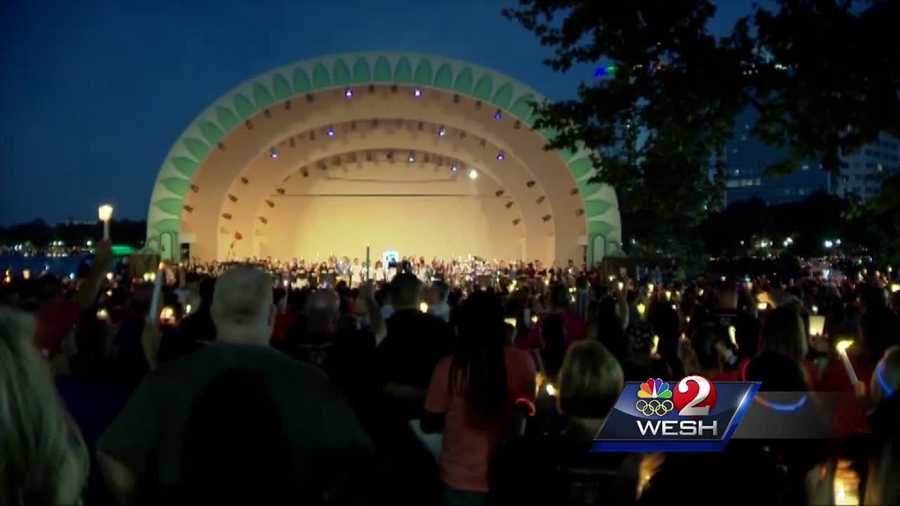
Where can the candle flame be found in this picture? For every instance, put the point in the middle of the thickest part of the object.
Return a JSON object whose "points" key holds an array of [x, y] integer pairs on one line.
{"points": [[843, 345]]}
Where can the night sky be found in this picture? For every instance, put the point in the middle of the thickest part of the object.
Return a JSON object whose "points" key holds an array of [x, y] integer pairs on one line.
{"points": [[94, 93]]}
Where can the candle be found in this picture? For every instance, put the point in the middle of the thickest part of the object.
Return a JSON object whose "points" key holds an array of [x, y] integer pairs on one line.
{"points": [[551, 390], [895, 288], [368, 261], [621, 286], [153, 315], [105, 212], [641, 308], [732, 334], [655, 345], [842, 352], [816, 325], [762, 306], [846, 483], [423, 307], [102, 314]]}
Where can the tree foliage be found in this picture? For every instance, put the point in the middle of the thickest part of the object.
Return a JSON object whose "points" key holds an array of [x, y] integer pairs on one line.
{"points": [[821, 76]]}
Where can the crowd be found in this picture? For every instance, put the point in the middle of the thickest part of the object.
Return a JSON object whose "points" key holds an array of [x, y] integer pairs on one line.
{"points": [[453, 383]]}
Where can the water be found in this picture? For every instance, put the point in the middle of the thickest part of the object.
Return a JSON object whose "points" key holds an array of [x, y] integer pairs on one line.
{"points": [[37, 264]]}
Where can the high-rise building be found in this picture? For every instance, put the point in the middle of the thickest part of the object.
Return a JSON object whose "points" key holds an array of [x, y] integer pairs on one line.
{"points": [[747, 160], [864, 171]]}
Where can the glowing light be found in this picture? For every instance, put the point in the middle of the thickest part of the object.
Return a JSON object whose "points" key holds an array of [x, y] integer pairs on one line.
{"points": [[417, 92], [109, 276], [843, 345], [829, 244], [668, 294], [26, 274], [641, 308], [167, 313], [895, 288], [412, 157], [846, 484], [761, 306], [816, 325], [330, 132], [700, 292], [71, 275], [732, 334], [109, 293], [104, 212], [674, 307], [550, 389], [423, 307], [500, 156], [650, 287], [442, 131], [102, 314], [621, 286], [473, 174], [572, 289], [534, 319], [454, 167], [348, 92], [187, 309], [273, 153], [655, 345], [89, 243]]}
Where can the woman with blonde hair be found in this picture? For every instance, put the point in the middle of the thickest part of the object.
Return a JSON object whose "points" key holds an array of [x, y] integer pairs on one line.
{"points": [[43, 460]]}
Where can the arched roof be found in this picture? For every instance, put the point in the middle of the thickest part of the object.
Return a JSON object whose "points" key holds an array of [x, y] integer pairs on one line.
{"points": [[243, 102]]}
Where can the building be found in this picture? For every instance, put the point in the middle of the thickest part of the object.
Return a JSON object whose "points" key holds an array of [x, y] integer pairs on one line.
{"points": [[747, 159], [863, 171], [412, 153]]}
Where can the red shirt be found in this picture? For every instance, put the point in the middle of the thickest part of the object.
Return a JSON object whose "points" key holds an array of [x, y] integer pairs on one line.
{"points": [[467, 450]]}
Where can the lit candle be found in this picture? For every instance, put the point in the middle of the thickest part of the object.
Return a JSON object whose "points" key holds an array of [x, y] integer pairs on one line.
{"points": [[895, 288], [761, 306], [842, 352], [732, 334], [816, 325], [655, 345], [621, 286], [153, 315], [846, 483], [668, 294], [423, 307], [105, 212], [641, 308], [551, 390]]}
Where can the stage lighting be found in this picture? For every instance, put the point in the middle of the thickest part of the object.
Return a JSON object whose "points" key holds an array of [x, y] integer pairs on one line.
{"points": [[348, 92], [473, 174], [273, 153]]}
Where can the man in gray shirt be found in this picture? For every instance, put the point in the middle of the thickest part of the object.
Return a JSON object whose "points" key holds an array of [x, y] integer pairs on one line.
{"points": [[143, 453]]}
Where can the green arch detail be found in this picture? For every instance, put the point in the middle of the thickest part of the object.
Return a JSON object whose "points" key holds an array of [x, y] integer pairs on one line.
{"points": [[444, 77], [281, 87], [176, 185], [167, 225], [196, 147], [301, 81], [341, 73], [382, 70], [321, 79], [423, 73], [243, 106], [463, 83], [484, 87], [211, 132], [185, 165], [596, 207], [226, 118], [361, 72], [580, 167], [261, 96], [169, 206], [522, 108], [476, 82], [503, 96], [403, 71]]}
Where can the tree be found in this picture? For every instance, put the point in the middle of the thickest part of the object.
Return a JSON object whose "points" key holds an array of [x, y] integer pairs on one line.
{"points": [[821, 76]]}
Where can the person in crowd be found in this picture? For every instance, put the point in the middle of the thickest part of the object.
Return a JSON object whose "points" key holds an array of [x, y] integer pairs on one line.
{"points": [[414, 343], [437, 300], [142, 454], [43, 459], [882, 486], [784, 332], [711, 354], [471, 398], [553, 463]]}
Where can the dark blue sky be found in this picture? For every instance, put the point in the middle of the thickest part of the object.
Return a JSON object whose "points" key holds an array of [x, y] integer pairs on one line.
{"points": [[94, 93]]}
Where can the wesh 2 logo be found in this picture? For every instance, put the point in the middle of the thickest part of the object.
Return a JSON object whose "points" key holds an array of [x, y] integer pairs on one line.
{"points": [[694, 396], [694, 415]]}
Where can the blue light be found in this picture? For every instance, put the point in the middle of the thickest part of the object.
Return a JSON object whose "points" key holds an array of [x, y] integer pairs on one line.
{"points": [[498, 115], [779, 406], [330, 132], [600, 72]]}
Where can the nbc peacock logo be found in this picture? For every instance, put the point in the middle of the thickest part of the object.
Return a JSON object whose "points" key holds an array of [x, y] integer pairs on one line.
{"points": [[654, 398]]}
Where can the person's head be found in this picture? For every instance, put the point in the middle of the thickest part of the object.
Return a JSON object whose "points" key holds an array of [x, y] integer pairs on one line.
{"points": [[438, 292], [406, 289], [784, 332], [242, 308], [43, 459], [322, 311], [590, 381], [777, 372], [478, 367], [713, 347]]}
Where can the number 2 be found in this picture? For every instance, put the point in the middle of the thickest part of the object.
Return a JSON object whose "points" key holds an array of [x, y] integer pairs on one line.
{"points": [[702, 393]]}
